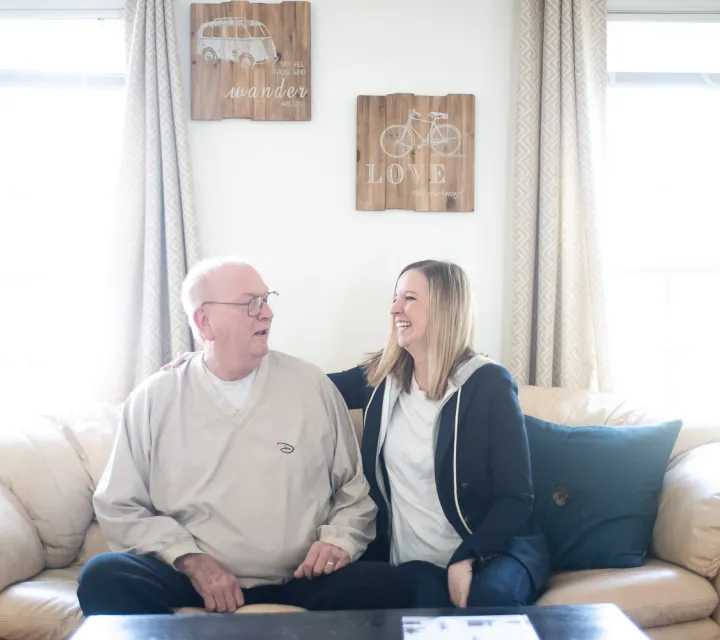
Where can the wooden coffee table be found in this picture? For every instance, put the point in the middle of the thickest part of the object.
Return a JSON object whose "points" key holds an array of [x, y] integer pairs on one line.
{"points": [[586, 622]]}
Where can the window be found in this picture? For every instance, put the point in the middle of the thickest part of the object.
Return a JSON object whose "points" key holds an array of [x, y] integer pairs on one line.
{"points": [[61, 115], [663, 225], [257, 31]]}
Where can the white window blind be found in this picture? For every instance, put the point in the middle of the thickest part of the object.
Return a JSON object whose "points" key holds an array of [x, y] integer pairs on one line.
{"points": [[61, 113], [663, 225]]}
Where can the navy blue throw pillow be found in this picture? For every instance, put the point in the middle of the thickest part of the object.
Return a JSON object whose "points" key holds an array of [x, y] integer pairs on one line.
{"points": [[597, 490]]}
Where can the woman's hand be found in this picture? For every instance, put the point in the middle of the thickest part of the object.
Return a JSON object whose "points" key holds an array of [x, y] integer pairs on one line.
{"points": [[460, 577], [177, 362]]}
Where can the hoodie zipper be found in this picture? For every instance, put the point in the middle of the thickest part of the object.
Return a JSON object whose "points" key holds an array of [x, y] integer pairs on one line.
{"points": [[379, 477]]}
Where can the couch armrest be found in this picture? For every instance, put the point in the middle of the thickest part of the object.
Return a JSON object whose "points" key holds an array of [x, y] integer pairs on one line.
{"points": [[21, 552], [687, 530], [716, 584]]}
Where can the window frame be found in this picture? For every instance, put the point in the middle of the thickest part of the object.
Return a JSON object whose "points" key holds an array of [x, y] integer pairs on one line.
{"points": [[62, 8], [29, 77], [632, 11], [663, 9]]}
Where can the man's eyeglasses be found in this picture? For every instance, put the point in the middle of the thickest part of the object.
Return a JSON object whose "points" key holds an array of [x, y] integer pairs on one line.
{"points": [[254, 305]]}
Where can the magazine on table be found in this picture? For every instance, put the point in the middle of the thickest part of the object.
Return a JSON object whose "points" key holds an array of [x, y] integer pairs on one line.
{"points": [[511, 627]]}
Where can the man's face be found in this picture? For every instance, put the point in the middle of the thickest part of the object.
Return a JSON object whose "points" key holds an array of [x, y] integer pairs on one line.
{"points": [[237, 335]]}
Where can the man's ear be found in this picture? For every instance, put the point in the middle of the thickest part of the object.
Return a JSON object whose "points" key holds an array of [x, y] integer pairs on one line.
{"points": [[202, 322]]}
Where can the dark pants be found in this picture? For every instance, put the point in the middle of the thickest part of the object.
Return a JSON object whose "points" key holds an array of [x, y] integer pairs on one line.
{"points": [[501, 582], [124, 584]]}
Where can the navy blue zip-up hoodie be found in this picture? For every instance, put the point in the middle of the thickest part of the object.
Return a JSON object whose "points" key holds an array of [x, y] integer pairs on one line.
{"points": [[482, 463]]}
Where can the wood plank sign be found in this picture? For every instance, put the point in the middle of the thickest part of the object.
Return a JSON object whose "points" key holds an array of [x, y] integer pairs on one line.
{"points": [[415, 152], [250, 60]]}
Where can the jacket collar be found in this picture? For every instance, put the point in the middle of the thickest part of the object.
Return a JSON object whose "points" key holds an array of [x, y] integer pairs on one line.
{"points": [[444, 429]]}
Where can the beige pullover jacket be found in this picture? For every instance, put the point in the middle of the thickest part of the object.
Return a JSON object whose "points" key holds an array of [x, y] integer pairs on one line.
{"points": [[253, 488]]}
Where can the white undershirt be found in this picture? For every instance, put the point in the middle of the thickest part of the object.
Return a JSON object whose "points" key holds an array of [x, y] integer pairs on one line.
{"points": [[420, 530], [236, 392]]}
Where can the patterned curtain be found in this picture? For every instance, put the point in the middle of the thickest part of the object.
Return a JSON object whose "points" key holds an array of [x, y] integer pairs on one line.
{"points": [[157, 241], [558, 310]]}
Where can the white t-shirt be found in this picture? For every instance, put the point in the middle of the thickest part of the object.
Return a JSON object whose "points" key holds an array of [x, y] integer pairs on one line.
{"points": [[236, 392], [420, 530]]}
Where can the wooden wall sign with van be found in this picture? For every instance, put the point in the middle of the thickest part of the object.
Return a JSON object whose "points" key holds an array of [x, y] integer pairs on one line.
{"points": [[250, 60], [416, 152]]}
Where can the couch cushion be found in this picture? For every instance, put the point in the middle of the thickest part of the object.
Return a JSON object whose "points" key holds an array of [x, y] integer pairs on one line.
{"points": [[597, 490], [93, 544], [656, 594], [46, 607], [21, 552], [693, 436], [43, 608], [91, 432], [251, 608], [44, 473], [696, 630], [687, 530], [577, 407]]}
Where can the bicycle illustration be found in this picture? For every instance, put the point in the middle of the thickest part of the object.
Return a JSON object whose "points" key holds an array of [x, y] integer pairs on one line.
{"points": [[399, 139]]}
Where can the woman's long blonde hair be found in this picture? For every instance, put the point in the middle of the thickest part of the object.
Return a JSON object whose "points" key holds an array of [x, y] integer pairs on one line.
{"points": [[449, 332]]}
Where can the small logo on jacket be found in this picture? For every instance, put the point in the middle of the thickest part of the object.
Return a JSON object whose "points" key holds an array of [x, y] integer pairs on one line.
{"points": [[285, 447]]}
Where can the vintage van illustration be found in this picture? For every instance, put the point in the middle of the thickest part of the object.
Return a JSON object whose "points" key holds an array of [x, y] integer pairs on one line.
{"points": [[238, 40]]}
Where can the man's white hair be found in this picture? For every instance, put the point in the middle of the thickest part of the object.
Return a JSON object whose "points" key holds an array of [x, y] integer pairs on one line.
{"points": [[192, 291]]}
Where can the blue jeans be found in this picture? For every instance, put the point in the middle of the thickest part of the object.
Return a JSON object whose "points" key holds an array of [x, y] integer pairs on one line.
{"points": [[125, 584], [501, 582]]}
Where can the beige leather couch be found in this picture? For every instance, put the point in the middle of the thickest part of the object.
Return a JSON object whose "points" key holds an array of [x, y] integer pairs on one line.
{"points": [[49, 468]]}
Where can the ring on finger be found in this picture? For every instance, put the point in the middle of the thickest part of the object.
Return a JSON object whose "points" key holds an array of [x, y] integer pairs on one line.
{"points": [[332, 564]]}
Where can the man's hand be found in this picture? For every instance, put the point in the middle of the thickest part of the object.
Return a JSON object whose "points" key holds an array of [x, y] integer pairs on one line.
{"points": [[322, 559], [220, 589], [460, 577]]}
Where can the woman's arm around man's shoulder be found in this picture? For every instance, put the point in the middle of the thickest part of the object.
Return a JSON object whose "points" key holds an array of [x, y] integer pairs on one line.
{"points": [[352, 385]]}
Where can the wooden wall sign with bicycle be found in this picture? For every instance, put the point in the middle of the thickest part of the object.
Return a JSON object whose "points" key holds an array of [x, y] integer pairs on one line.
{"points": [[250, 60], [416, 152]]}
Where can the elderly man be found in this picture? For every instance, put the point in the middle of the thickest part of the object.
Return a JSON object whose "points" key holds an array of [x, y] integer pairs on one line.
{"points": [[236, 477]]}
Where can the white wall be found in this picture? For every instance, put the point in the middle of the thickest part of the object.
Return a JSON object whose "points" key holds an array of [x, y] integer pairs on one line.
{"points": [[283, 194]]}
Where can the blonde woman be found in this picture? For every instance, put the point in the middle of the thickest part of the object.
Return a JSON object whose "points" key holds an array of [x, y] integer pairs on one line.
{"points": [[446, 453]]}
